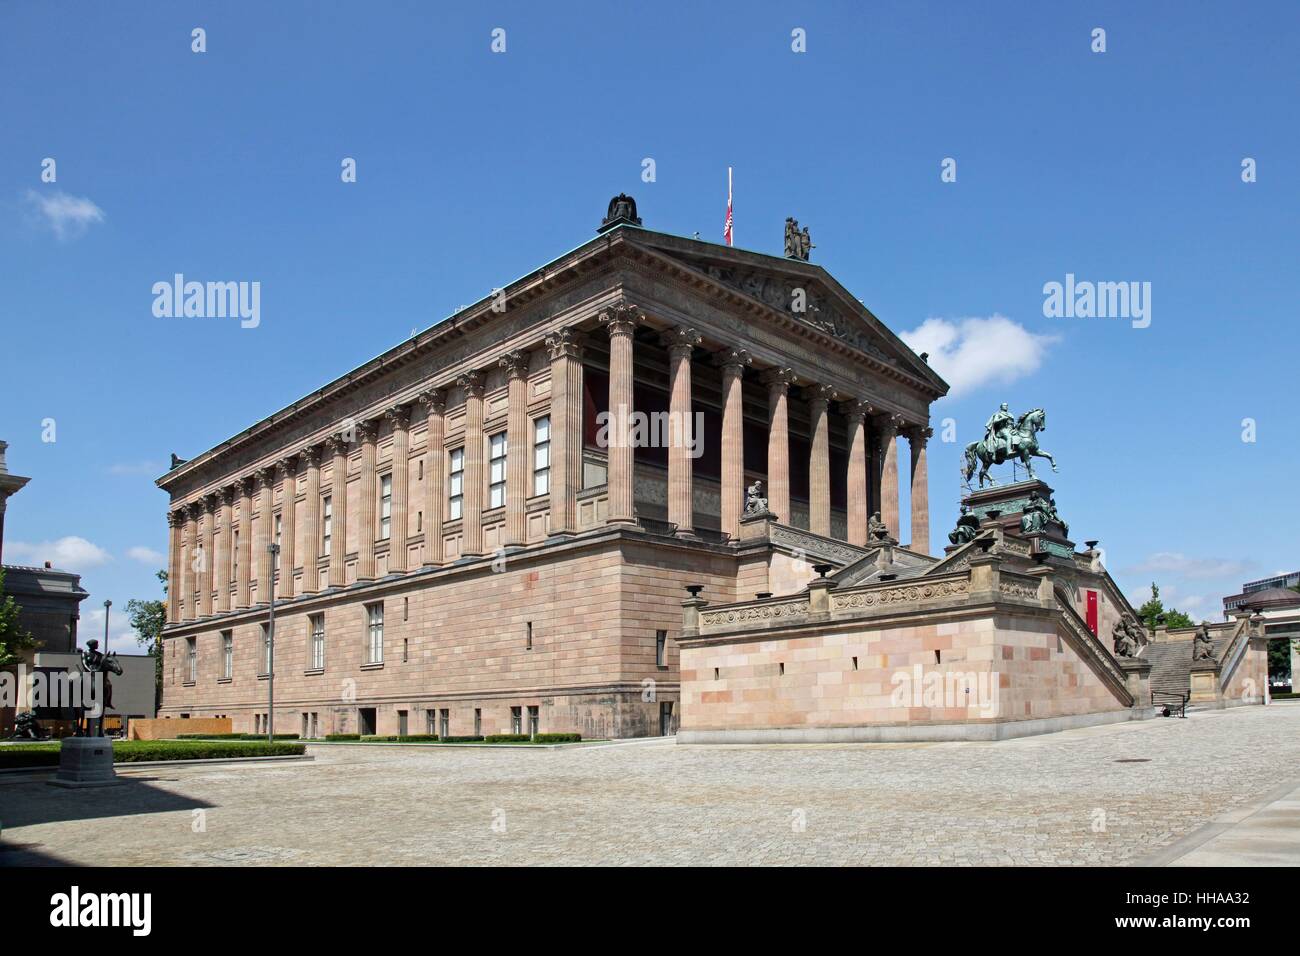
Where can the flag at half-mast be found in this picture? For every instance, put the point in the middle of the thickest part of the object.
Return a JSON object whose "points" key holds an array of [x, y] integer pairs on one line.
{"points": [[726, 229]]}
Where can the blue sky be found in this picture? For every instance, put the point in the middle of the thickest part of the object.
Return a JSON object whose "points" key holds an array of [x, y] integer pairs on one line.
{"points": [[474, 167]]}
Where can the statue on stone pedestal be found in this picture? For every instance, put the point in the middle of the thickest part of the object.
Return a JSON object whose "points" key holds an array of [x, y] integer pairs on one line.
{"points": [[1203, 644], [1129, 638], [95, 662], [877, 530], [755, 501], [968, 526], [622, 208], [1007, 438], [1036, 514]]}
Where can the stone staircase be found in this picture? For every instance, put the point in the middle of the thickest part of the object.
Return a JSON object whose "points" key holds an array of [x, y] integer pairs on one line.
{"points": [[1171, 664]]}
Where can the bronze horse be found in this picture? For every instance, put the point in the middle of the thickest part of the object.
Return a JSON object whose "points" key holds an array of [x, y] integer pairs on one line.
{"points": [[1024, 446]]}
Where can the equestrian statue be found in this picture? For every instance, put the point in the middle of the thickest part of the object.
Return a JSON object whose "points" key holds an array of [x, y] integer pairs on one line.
{"points": [[1007, 438]]}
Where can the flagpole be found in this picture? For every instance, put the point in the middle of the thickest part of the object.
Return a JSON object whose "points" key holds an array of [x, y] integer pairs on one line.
{"points": [[730, 208]]}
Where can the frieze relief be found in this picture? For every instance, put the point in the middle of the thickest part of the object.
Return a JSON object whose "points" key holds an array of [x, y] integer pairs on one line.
{"points": [[904, 594], [755, 613], [815, 545]]}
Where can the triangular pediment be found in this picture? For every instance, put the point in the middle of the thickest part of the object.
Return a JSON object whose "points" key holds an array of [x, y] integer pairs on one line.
{"points": [[773, 282]]}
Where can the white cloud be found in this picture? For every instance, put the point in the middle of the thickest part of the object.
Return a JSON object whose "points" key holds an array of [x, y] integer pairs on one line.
{"points": [[145, 555], [67, 216], [1180, 565], [972, 352], [70, 553]]}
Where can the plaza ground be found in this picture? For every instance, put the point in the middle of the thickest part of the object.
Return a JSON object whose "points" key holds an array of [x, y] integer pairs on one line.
{"points": [[1219, 787]]}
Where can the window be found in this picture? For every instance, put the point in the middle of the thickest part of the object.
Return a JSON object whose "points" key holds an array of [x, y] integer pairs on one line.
{"points": [[478, 722], [497, 470], [275, 558], [227, 654], [327, 526], [375, 638], [420, 464], [406, 651], [528, 635], [234, 554], [192, 659], [516, 720], [542, 455], [444, 729], [534, 721], [317, 642], [431, 722], [402, 728], [456, 487], [385, 506], [266, 650], [661, 648]]}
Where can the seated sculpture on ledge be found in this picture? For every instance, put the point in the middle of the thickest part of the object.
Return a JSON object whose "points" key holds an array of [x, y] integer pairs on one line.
{"points": [[755, 502], [968, 526], [1129, 637], [877, 530], [1203, 644]]}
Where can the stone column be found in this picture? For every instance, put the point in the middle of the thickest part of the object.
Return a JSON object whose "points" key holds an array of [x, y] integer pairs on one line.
{"points": [[516, 366], [175, 596], [399, 416], [888, 430], [337, 446], [262, 540], [189, 581], [244, 563], [435, 475], [918, 438], [564, 347], [205, 570], [311, 522], [288, 526], [224, 549], [733, 362], [858, 509], [778, 382], [621, 322], [368, 490], [473, 486], [681, 342], [819, 464]]}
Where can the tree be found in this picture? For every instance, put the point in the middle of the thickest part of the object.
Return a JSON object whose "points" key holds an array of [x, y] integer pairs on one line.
{"points": [[14, 639], [1153, 608], [147, 619]]}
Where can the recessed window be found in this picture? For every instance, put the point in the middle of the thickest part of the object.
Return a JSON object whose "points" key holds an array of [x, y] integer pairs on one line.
{"points": [[497, 470], [855, 663], [456, 484], [227, 654], [385, 506], [528, 635], [234, 553], [192, 658], [406, 650], [716, 674], [542, 455], [317, 642], [936, 656], [516, 720], [781, 665], [275, 558], [327, 526], [661, 648], [375, 633], [266, 650]]}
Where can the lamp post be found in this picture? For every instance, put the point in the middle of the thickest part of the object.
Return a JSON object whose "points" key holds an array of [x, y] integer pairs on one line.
{"points": [[107, 604], [270, 649]]}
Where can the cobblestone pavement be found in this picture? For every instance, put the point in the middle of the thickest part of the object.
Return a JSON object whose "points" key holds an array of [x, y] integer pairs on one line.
{"points": [[1057, 799]]}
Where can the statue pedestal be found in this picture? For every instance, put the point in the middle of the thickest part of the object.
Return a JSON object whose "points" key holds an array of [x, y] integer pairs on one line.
{"points": [[757, 526], [85, 762], [1010, 501]]}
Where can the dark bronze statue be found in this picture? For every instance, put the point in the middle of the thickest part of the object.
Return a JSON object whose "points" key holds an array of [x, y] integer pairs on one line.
{"points": [[622, 208], [95, 662], [968, 526], [1006, 438], [798, 244], [26, 727]]}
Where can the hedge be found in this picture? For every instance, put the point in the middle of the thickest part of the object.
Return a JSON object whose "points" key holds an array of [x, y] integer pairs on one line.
{"points": [[133, 751], [460, 740], [396, 739], [556, 738], [210, 736], [507, 738], [342, 736]]}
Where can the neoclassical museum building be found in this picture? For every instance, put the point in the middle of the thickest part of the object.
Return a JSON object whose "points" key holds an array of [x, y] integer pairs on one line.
{"points": [[489, 528]]}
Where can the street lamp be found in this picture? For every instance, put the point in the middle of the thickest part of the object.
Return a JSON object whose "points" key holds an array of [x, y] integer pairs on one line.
{"points": [[107, 605], [270, 649]]}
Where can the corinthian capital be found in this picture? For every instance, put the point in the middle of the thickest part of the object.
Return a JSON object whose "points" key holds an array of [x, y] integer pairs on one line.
{"points": [[564, 343], [398, 416], [732, 360], [433, 399], [516, 365], [472, 383], [622, 319], [780, 378], [680, 339]]}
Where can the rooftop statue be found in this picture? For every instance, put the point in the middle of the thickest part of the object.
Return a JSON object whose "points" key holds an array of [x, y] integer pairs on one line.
{"points": [[797, 243], [622, 208], [1007, 438]]}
